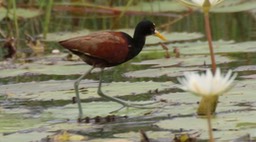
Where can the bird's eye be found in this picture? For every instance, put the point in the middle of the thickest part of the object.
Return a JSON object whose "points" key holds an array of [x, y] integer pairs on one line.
{"points": [[152, 30]]}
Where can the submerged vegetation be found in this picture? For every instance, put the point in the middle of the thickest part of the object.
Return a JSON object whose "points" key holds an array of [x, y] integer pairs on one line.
{"points": [[37, 100]]}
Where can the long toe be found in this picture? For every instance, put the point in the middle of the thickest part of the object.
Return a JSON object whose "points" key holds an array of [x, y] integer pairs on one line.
{"points": [[142, 105]]}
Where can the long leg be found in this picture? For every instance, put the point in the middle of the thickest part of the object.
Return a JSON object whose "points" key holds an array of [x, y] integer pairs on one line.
{"points": [[76, 85], [108, 97], [120, 101]]}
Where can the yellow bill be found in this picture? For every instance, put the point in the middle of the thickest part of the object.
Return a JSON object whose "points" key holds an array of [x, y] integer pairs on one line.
{"points": [[160, 35]]}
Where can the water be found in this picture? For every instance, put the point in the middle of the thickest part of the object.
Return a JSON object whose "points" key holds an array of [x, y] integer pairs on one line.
{"points": [[239, 27]]}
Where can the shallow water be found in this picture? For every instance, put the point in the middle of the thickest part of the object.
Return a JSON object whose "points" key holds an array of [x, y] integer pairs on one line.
{"points": [[39, 114]]}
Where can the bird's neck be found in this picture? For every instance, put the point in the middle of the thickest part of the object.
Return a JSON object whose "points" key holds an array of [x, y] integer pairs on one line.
{"points": [[139, 42]]}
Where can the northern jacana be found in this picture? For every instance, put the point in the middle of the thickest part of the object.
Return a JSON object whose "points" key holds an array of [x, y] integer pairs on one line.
{"points": [[106, 49]]}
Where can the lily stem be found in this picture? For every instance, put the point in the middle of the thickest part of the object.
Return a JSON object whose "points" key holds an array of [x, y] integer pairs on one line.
{"points": [[209, 39], [211, 139]]}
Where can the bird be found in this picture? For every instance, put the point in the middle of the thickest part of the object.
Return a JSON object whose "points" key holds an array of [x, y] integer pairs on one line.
{"points": [[104, 49]]}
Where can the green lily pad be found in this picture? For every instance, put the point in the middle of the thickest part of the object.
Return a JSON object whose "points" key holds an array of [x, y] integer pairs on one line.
{"points": [[157, 135], [25, 137], [47, 68], [48, 65], [110, 140], [162, 67], [71, 126], [20, 121], [94, 109], [239, 98], [184, 103], [221, 123], [184, 61], [245, 68], [60, 90], [157, 72], [253, 76], [219, 47], [34, 88]]}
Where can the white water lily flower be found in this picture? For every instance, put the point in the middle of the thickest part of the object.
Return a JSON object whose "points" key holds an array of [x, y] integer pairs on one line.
{"points": [[207, 84], [201, 3]]}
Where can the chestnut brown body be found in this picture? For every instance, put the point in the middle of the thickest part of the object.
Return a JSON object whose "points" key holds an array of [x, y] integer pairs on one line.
{"points": [[101, 49]]}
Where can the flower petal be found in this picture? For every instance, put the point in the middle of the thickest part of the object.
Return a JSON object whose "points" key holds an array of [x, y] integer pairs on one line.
{"points": [[207, 84]]}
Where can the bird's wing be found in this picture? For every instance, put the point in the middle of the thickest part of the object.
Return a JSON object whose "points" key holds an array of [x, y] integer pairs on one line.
{"points": [[109, 46]]}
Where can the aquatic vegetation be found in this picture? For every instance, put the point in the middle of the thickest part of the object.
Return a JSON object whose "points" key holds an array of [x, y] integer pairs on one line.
{"points": [[36, 92]]}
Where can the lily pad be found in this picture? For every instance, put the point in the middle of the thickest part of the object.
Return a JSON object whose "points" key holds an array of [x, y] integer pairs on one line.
{"points": [[59, 68], [20, 121], [157, 72], [94, 109], [30, 88], [199, 125], [199, 60], [245, 68], [240, 98], [151, 134], [60, 90], [162, 67], [25, 137], [219, 47], [72, 126], [110, 140], [253, 76]]}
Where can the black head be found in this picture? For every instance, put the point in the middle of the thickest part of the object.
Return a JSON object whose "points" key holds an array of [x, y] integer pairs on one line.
{"points": [[145, 28]]}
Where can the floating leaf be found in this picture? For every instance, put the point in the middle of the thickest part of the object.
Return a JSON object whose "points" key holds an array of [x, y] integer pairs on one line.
{"points": [[253, 76], [25, 137], [72, 126], [222, 124], [60, 90], [93, 109], [110, 140], [246, 68], [65, 136], [184, 61], [20, 121], [50, 65], [157, 72], [219, 47], [157, 135], [164, 66], [30, 88]]}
